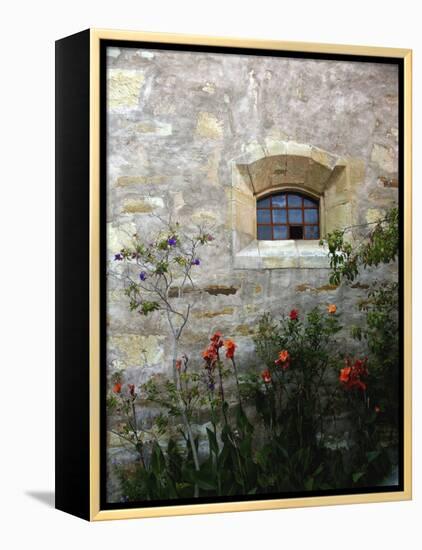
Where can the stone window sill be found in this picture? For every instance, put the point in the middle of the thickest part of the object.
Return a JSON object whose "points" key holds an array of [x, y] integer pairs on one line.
{"points": [[288, 254]]}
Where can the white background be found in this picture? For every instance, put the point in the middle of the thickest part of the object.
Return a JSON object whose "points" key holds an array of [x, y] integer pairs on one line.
{"points": [[28, 31]]}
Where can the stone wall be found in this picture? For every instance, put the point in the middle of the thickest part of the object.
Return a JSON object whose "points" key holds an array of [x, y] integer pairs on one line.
{"points": [[184, 131]]}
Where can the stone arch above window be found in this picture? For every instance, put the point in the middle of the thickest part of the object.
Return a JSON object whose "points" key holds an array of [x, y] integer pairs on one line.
{"points": [[287, 167]]}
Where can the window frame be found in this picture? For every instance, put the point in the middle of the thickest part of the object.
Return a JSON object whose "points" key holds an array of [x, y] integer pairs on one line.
{"points": [[270, 208]]}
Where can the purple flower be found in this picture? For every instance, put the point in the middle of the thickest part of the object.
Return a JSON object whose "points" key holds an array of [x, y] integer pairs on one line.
{"points": [[172, 241], [118, 257], [196, 261], [211, 386], [210, 238], [142, 275]]}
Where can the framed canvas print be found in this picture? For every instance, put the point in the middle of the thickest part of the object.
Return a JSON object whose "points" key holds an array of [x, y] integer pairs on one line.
{"points": [[233, 274]]}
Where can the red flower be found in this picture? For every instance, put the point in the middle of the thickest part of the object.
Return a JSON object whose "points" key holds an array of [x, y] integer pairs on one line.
{"points": [[283, 359], [210, 355], [230, 348], [294, 315], [178, 364], [117, 388], [217, 340], [351, 375], [266, 376], [131, 389]]}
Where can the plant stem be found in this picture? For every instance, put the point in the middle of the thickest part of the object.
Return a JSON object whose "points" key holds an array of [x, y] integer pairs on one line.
{"points": [[237, 380], [185, 419]]}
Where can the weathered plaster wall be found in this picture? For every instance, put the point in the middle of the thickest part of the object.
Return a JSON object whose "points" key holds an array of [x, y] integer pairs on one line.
{"points": [[176, 120]]}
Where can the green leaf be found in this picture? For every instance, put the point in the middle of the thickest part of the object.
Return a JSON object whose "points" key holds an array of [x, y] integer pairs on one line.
{"points": [[309, 483], [213, 442], [204, 481], [158, 463], [372, 455], [356, 476]]}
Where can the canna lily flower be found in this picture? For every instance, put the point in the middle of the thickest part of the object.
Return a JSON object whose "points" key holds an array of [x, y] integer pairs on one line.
{"points": [[210, 355], [217, 339], [283, 359], [331, 308], [345, 375], [178, 364], [294, 315], [351, 375], [230, 348], [266, 376], [117, 388], [284, 355]]}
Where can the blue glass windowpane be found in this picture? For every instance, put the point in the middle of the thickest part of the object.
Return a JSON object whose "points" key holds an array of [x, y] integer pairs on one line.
{"points": [[279, 216], [295, 216], [311, 216], [264, 216], [280, 232], [308, 202], [264, 232], [263, 203], [295, 200], [279, 201], [311, 232]]}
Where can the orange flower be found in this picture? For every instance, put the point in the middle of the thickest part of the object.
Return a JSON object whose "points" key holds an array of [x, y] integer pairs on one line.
{"points": [[217, 340], [331, 308], [178, 364], [117, 388], [266, 376], [283, 355], [210, 354], [351, 375], [283, 359], [345, 375], [230, 348]]}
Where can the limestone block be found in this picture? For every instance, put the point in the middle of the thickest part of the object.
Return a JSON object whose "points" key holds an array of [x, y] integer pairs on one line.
{"points": [[125, 181], [119, 236], [154, 127], [136, 349], [338, 216], [374, 214], [211, 314], [208, 126], [123, 87], [142, 206]]}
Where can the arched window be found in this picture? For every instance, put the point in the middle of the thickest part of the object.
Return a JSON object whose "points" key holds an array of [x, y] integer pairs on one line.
{"points": [[287, 216]]}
